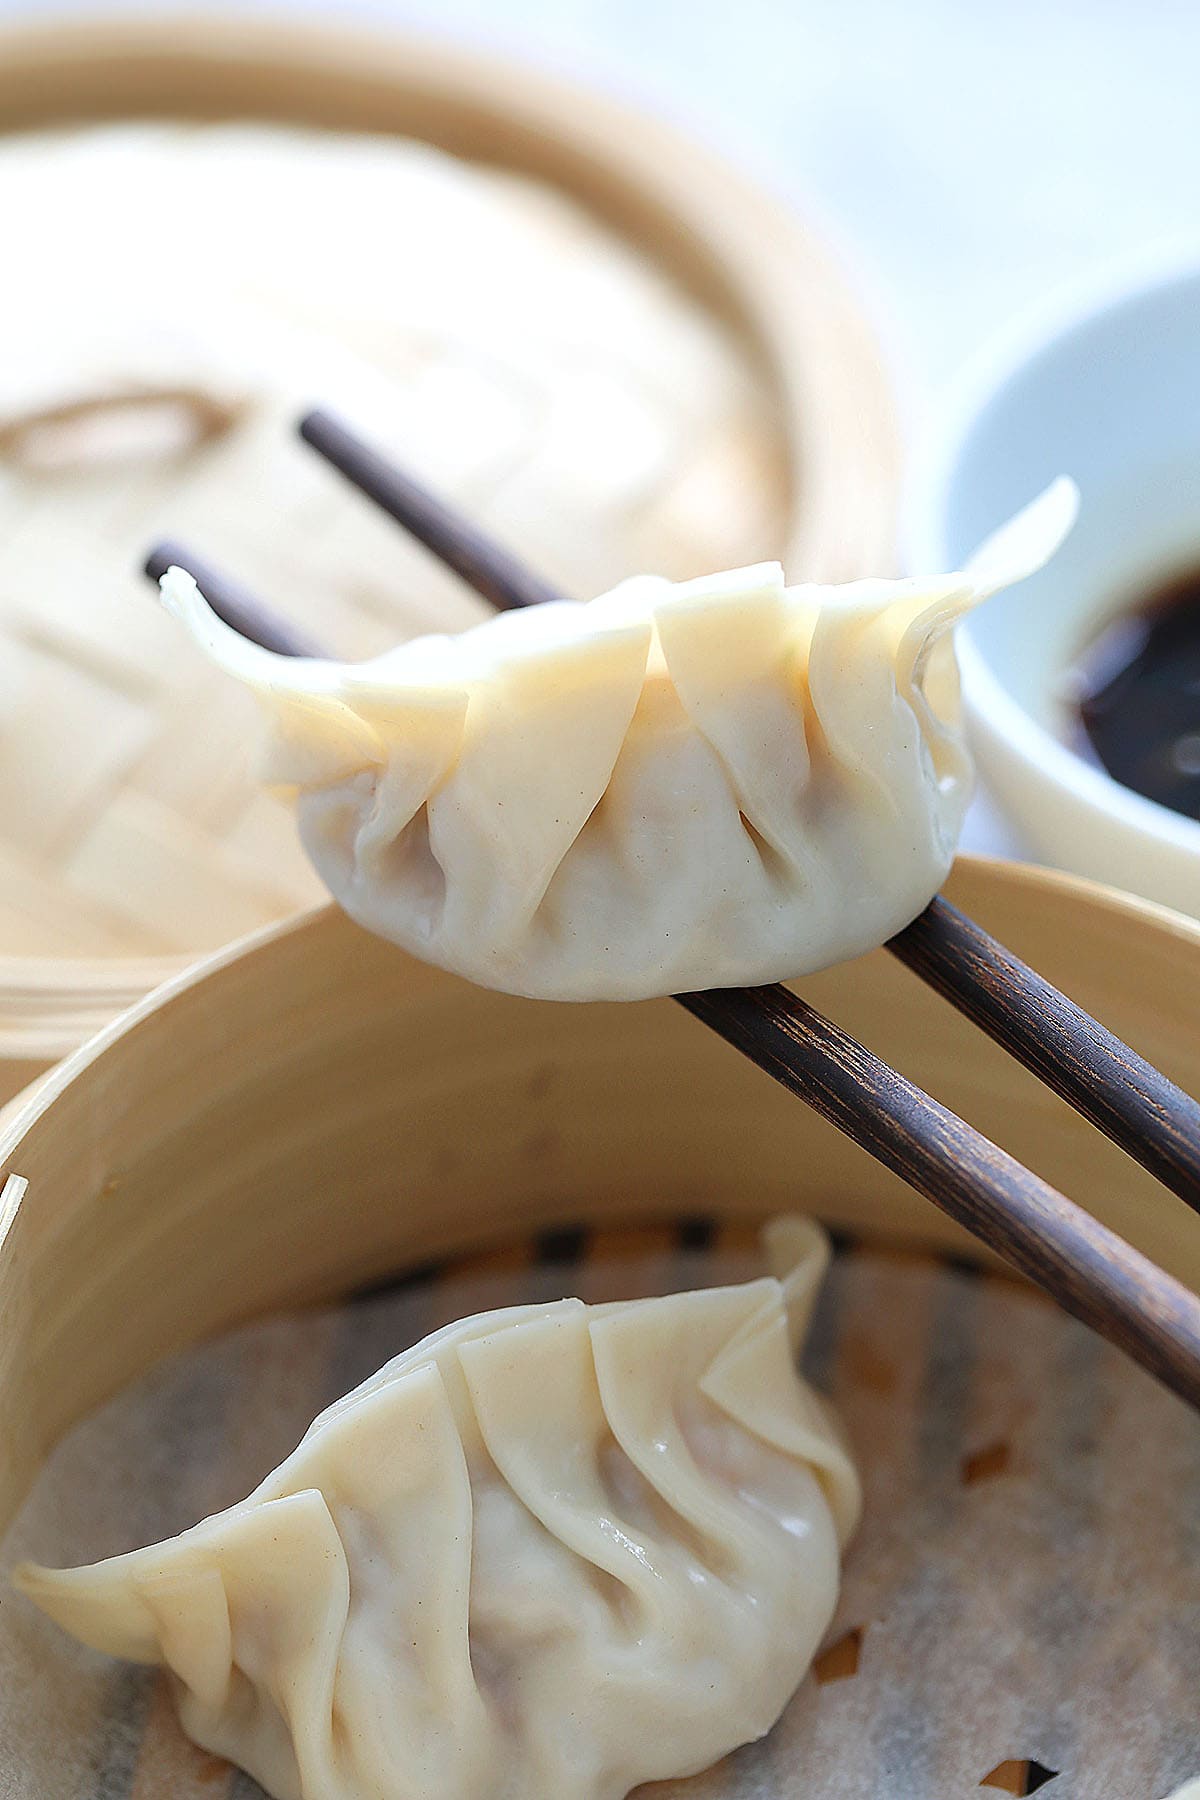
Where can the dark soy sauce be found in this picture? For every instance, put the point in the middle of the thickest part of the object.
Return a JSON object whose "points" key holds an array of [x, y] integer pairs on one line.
{"points": [[1138, 695]]}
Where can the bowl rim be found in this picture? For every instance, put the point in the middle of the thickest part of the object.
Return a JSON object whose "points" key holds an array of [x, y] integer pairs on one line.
{"points": [[748, 252], [1037, 331]]}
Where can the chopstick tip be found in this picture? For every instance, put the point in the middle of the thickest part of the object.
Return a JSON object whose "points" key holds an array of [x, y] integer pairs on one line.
{"points": [[313, 424], [161, 558]]}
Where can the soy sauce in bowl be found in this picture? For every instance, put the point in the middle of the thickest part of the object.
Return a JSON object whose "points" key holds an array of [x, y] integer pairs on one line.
{"points": [[1137, 693]]}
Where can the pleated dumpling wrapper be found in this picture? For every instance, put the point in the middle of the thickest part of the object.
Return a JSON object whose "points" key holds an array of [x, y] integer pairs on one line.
{"points": [[675, 786], [548, 1554]]}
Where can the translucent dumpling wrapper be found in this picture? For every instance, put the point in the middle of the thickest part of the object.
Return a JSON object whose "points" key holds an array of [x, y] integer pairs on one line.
{"points": [[549, 1553], [715, 783]]}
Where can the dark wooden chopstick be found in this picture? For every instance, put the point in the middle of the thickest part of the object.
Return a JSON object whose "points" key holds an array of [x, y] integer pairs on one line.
{"points": [[1087, 1268], [1080, 1060], [1128, 1099], [484, 564], [1090, 1271]]}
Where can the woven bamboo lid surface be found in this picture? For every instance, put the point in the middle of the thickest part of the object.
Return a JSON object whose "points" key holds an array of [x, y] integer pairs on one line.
{"points": [[317, 1114], [614, 350]]}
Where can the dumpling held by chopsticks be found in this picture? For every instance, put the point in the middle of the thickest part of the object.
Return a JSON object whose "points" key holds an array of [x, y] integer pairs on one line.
{"points": [[718, 783]]}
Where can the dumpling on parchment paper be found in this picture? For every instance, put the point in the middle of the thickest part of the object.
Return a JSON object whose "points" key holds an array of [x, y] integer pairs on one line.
{"points": [[549, 1553]]}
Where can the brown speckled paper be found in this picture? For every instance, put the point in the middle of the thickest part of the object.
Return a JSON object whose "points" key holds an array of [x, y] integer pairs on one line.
{"points": [[1023, 1597]]}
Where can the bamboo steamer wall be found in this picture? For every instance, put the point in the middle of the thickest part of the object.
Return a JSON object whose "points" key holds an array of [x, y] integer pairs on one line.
{"points": [[315, 1112], [299, 1117], [120, 864]]}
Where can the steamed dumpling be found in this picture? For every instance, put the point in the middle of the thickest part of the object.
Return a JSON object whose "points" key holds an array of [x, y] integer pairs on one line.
{"points": [[548, 1554], [676, 786]]}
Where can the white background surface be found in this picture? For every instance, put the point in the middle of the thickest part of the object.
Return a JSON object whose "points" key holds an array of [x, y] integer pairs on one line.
{"points": [[968, 155]]}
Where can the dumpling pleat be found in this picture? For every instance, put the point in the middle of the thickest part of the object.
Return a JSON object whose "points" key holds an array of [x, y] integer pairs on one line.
{"points": [[672, 1343], [753, 1381], [422, 736], [287, 1585], [395, 1480], [737, 667], [127, 1607], [498, 852], [375, 830], [548, 1449]]}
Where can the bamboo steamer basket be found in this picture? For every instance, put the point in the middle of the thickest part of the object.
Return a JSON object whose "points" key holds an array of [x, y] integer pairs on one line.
{"points": [[313, 1111], [825, 438]]}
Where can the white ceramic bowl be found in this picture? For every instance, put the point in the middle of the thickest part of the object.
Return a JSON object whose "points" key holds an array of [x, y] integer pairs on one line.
{"points": [[1103, 386]]}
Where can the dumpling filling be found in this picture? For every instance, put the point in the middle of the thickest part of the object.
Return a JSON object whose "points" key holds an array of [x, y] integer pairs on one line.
{"points": [[676, 786], [547, 1554]]}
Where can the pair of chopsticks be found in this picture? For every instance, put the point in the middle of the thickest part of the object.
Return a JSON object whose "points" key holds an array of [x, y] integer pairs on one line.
{"points": [[1089, 1270]]}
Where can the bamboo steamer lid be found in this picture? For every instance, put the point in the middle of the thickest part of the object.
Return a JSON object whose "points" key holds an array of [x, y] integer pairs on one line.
{"points": [[613, 349], [314, 1112]]}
